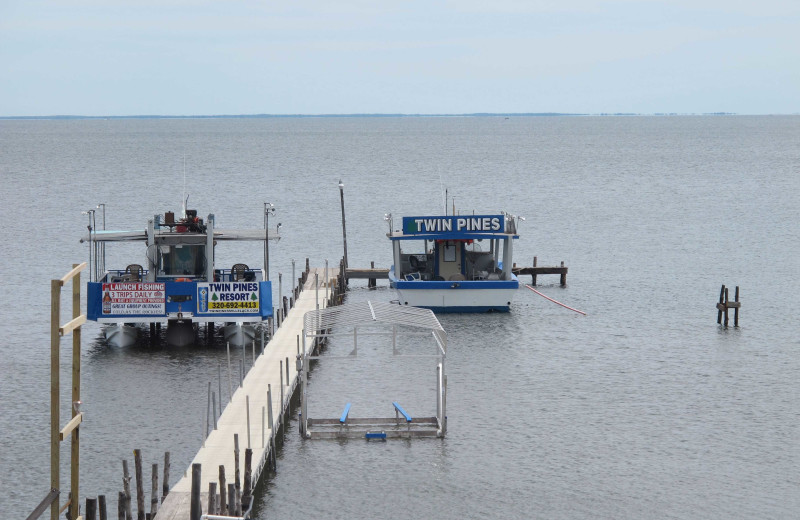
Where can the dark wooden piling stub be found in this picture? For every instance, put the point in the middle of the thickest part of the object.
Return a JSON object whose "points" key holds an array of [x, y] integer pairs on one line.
{"points": [[101, 503], [248, 476], [154, 491], [223, 492], [232, 500], [372, 283], [195, 508], [137, 461], [212, 498], [237, 474], [126, 486], [91, 509], [121, 506], [165, 483]]}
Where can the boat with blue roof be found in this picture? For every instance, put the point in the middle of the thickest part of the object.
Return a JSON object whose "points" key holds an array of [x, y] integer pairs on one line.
{"points": [[455, 263], [179, 284]]}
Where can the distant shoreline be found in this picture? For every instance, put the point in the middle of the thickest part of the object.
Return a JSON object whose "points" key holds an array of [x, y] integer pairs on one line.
{"points": [[298, 116]]}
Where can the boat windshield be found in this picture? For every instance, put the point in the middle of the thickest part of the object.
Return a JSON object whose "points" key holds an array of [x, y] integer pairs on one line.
{"points": [[183, 260]]}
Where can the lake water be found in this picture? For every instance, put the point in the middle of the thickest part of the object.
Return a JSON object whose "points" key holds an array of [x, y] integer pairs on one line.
{"points": [[643, 408]]}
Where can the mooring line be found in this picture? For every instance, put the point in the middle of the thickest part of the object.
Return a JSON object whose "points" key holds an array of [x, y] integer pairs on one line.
{"points": [[554, 301]]}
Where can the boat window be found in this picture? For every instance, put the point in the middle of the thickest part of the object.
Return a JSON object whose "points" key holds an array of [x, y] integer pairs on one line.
{"points": [[185, 260]]}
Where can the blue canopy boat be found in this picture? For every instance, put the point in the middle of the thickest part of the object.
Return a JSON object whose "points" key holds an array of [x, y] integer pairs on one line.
{"points": [[179, 285], [454, 263]]}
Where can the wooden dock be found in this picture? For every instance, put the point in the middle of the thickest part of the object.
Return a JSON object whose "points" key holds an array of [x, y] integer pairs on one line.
{"points": [[537, 270], [244, 424]]}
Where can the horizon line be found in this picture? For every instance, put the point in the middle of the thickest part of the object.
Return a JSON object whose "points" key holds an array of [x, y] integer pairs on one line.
{"points": [[353, 115]]}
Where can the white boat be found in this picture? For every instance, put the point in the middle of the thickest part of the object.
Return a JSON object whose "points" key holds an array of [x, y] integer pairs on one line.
{"points": [[454, 263], [179, 284]]}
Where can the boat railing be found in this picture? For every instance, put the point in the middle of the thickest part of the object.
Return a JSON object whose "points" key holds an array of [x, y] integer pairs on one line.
{"points": [[123, 275], [238, 275], [220, 275]]}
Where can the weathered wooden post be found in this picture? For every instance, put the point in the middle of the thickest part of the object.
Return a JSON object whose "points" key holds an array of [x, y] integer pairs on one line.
{"points": [[563, 275], [223, 490], [121, 506], [137, 462], [533, 275], [126, 485], [720, 305], [195, 508], [101, 503], [154, 491], [165, 484], [91, 508], [736, 308], [237, 474], [372, 283], [231, 500], [248, 476], [212, 498]]}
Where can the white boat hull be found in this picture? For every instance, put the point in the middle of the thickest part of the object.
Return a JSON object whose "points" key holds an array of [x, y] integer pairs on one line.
{"points": [[120, 335], [238, 334], [458, 300]]}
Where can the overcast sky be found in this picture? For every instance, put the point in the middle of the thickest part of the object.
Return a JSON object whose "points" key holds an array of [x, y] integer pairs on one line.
{"points": [[182, 57]]}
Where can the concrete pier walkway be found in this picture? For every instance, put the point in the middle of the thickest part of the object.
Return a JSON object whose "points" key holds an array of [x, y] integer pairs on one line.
{"points": [[218, 448]]}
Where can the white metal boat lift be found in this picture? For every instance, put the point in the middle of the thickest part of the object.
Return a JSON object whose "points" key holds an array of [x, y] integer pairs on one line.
{"points": [[348, 320]]}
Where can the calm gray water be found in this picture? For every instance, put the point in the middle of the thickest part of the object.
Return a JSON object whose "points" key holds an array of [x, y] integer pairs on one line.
{"points": [[645, 408]]}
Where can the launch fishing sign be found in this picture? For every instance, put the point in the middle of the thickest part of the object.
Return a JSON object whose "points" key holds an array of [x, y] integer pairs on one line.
{"points": [[228, 297], [133, 298]]}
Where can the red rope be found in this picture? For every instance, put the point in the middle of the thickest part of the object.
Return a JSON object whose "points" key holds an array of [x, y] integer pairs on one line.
{"points": [[552, 300]]}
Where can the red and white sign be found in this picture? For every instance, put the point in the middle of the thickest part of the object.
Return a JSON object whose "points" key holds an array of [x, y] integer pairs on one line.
{"points": [[134, 298]]}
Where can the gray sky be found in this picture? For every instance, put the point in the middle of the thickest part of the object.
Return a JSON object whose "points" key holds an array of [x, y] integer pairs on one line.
{"points": [[182, 57]]}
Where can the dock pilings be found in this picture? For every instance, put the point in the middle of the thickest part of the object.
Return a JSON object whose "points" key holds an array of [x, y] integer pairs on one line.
{"points": [[725, 304]]}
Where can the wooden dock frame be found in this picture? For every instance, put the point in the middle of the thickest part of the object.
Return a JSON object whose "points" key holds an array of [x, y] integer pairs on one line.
{"points": [[536, 271], [725, 304], [72, 428]]}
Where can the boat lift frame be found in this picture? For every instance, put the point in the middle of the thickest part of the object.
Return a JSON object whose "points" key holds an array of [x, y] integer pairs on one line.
{"points": [[320, 323]]}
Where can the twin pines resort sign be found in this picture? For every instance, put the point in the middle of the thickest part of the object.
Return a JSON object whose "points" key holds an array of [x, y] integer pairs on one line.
{"points": [[455, 224]]}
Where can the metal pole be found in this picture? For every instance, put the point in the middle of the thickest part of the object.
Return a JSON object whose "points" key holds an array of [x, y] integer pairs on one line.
{"points": [[247, 400], [327, 280], [103, 245], [55, 391], [269, 208], [294, 278], [344, 229], [316, 288], [280, 289], [230, 381]]}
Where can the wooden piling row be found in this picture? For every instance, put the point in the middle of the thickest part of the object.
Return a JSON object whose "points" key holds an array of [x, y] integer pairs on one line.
{"points": [[124, 510]]}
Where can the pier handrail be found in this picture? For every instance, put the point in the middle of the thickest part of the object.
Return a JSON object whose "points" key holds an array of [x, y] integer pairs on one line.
{"points": [[345, 413], [399, 409]]}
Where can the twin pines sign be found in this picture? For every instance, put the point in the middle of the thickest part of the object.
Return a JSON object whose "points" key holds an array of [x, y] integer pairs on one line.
{"points": [[454, 224]]}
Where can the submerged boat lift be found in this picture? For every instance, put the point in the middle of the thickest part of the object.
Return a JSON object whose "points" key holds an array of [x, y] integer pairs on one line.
{"points": [[347, 320]]}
